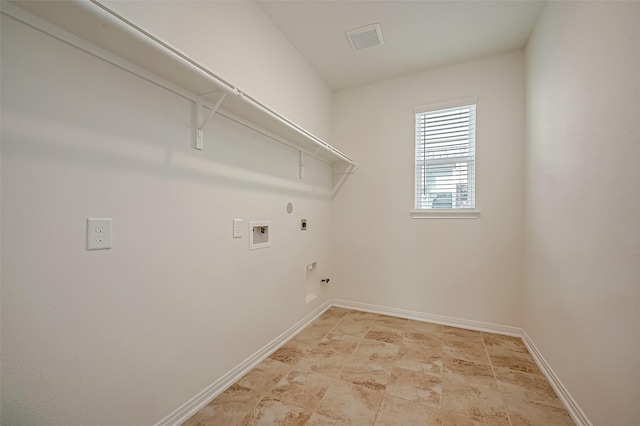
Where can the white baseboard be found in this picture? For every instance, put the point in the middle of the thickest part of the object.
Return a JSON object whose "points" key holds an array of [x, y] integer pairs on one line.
{"points": [[570, 404], [203, 398], [194, 405], [438, 319]]}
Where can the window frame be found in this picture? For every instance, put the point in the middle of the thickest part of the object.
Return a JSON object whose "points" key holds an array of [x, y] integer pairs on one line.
{"points": [[439, 213]]}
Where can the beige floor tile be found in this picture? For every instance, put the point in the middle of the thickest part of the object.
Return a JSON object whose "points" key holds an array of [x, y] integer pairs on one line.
{"points": [[313, 333], [291, 352], [396, 411], [429, 364], [424, 327], [270, 412], [301, 388], [531, 414], [360, 317], [458, 371], [320, 420], [239, 393], [454, 333], [336, 312], [331, 317], [468, 351], [480, 404], [343, 343], [498, 341], [323, 361], [376, 350], [356, 329], [366, 372], [510, 352], [412, 356], [228, 408], [425, 389], [347, 404], [222, 413], [518, 386], [427, 343], [384, 334], [514, 360], [326, 321], [393, 322], [470, 390], [192, 422], [265, 375], [455, 419]]}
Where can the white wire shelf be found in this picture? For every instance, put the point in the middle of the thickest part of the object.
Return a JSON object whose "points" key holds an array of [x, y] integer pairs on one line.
{"points": [[100, 31]]}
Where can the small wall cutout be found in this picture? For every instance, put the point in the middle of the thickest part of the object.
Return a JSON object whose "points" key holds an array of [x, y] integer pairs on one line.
{"points": [[311, 283], [259, 235]]}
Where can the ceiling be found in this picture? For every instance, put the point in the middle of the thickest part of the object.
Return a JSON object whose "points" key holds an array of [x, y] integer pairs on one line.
{"points": [[418, 35]]}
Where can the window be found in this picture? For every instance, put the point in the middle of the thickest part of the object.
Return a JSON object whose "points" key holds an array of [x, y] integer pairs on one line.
{"points": [[445, 158]]}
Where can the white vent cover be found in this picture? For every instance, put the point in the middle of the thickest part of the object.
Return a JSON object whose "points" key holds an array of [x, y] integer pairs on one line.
{"points": [[365, 37]]}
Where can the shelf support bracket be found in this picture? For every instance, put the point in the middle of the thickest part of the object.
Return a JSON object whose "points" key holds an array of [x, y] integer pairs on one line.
{"points": [[300, 164], [200, 112]]}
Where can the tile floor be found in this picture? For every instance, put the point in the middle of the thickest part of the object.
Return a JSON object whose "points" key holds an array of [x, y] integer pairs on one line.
{"points": [[358, 368]]}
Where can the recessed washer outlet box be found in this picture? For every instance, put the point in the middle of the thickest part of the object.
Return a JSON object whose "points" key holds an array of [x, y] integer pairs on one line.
{"points": [[259, 234], [311, 282]]}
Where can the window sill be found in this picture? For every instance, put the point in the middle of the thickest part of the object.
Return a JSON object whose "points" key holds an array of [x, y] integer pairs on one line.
{"points": [[445, 214]]}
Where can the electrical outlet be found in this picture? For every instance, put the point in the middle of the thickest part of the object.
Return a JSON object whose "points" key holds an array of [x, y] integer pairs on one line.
{"points": [[98, 233]]}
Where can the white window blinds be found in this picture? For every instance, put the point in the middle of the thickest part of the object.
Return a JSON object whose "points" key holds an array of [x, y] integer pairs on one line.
{"points": [[445, 156]]}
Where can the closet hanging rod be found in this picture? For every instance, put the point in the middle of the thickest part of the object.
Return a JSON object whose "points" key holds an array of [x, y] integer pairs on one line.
{"points": [[241, 121]]}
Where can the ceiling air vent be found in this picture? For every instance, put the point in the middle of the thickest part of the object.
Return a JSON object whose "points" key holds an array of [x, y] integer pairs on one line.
{"points": [[365, 37]]}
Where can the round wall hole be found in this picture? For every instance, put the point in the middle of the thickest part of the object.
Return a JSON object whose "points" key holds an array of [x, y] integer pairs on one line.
{"points": [[289, 207]]}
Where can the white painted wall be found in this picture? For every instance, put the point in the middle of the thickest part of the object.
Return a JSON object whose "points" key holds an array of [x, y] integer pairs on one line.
{"points": [[582, 229], [126, 336], [463, 268], [237, 41]]}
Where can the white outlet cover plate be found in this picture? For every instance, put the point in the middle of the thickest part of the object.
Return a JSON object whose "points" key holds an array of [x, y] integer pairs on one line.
{"points": [[99, 233], [237, 228]]}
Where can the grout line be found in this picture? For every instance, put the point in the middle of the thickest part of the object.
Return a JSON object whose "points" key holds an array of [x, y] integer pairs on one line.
{"points": [[495, 378], [375, 419]]}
